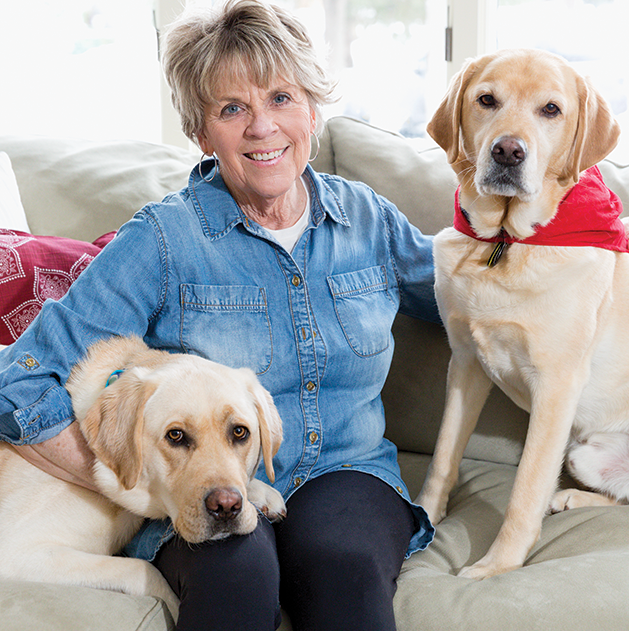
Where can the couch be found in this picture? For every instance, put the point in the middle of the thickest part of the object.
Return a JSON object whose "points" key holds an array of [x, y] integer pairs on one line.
{"points": [[576, 578]]}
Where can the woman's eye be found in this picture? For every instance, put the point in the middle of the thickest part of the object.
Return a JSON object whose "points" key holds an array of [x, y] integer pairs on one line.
{"points": [[281, 98], [230, 110], [240, 433], [487, 100], [551, 110]]}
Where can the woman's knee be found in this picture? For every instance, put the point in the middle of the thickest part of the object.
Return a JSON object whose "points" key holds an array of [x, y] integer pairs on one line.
{"points": [[226, 584]]}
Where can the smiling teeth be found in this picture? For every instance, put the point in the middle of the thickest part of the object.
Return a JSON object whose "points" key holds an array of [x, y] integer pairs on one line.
{"points": [[266, 156]]}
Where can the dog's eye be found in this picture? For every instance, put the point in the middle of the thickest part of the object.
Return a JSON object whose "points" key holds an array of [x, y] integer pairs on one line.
{"points": [[551, 110], [487, 100], [240, 433], [176, 437]]}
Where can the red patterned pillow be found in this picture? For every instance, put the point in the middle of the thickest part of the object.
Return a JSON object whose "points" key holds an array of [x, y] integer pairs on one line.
{"points": [[34, 268]]}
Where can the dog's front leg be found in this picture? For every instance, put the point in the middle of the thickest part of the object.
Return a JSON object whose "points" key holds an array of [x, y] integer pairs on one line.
{"points": [[467, 390], [555, 399]]}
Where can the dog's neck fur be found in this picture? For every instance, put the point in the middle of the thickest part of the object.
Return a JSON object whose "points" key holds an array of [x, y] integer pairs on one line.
{"points": [[587, 215], [489, 215]]}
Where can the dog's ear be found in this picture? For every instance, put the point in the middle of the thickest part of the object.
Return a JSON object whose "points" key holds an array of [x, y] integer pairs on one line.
{"points": [[113, 426], [269, 421], [597, 133], [444, 127]]}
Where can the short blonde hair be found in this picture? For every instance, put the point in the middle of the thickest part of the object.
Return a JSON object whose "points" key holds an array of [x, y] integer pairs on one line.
{"points": [[247, 37]]}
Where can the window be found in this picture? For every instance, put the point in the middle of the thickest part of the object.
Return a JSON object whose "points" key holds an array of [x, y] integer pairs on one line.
{"points": [[388, 57], [590, 34], [89, 68], [81, 68]]}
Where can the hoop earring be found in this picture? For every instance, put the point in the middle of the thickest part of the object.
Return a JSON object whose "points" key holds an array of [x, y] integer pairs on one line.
{"points": [[215, 170], [318, 149]]}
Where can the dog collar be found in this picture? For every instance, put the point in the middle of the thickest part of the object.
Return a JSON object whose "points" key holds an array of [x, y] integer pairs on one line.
{"points": [[587, 216], [114, 377]]}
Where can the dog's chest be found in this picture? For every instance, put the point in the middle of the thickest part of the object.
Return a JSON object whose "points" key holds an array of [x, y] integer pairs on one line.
{"points": [[489, 321], [513, 316], [542, 311]]}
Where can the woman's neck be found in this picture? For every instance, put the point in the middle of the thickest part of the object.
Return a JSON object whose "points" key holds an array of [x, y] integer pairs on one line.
{"points": [[279, 213]]}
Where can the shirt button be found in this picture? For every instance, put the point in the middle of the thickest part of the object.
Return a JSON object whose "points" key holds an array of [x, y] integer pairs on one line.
{"points": [[310, 386], [296, 280], [313, 437], [400, 490], [297, 481]]}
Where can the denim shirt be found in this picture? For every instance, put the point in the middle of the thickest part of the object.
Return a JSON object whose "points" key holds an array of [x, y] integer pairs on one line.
{"points": [[193, 274]]}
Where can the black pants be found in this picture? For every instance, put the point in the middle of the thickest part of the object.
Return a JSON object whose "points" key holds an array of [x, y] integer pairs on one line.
{"points": [[333, 563]]}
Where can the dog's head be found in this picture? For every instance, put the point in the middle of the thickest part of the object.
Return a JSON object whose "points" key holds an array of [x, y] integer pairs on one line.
{"points": [[182, 439], [519, 126]]}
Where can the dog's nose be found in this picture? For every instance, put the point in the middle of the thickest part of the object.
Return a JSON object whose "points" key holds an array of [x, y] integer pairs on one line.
{"points": [[508, 151], [223, 504]]}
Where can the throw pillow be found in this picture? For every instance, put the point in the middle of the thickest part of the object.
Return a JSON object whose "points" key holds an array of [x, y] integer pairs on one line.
{"points": [[35, 268]]}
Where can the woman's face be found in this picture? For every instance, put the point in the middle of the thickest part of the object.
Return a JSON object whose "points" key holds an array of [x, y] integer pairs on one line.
{"points": [[261, 137]]}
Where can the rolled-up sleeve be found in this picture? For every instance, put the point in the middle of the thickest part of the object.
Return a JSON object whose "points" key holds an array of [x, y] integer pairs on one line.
{"points": [[118, 294]]}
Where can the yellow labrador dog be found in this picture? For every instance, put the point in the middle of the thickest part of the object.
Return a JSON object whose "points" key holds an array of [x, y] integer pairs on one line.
{"points": [[174, 436], [533, 287]]}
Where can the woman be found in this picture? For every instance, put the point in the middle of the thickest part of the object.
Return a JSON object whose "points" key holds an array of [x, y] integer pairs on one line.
{"points": [[259, 262]]}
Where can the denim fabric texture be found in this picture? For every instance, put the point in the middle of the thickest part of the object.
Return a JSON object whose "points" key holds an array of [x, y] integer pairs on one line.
{"points": [[193, 274]]}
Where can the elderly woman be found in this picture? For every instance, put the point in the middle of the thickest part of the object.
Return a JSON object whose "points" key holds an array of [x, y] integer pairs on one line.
{"points": [[258, 262]]}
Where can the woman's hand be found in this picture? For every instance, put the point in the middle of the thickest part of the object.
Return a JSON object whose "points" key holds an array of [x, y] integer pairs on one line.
{"points": [[66, 456]]}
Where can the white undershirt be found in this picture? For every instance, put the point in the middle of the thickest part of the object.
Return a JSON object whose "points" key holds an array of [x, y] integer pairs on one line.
{"points": [[288, 237]]}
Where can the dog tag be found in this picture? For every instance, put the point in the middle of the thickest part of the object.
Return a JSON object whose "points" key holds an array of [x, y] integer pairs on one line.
{"points": [[501, 246]]}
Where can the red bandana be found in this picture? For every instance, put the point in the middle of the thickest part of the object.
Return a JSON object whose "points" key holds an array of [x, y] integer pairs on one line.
{"points": [[587, 216]]}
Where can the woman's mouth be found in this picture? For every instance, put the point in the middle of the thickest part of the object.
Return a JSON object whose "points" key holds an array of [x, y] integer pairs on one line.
{"points": [[265, 156]]}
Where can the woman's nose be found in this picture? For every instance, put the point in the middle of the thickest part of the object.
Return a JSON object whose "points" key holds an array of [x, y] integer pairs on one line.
{"points": [[262, 124]]}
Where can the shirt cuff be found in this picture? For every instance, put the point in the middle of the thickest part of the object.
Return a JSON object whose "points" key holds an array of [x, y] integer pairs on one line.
{"points": [[38, 422]]}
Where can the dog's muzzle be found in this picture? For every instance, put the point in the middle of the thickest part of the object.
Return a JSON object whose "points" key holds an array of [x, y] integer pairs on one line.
{"points": [[504, 174]]}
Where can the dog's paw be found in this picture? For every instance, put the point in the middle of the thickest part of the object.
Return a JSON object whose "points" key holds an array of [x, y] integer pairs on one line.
{"points": [[157, 586], [575, 498], [267, 500], [499, 559], [482, 569]]}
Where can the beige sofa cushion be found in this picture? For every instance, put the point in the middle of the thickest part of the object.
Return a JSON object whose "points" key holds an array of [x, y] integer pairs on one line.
{"points": [[413, 174], [576, 578], [43, 607], [82, 189]]}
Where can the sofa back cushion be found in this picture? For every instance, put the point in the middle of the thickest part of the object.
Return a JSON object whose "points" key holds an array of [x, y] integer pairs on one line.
{"points": [[83, 189]]}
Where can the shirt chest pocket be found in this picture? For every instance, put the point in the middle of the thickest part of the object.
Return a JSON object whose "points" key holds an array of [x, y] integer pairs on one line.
{"points": [[228, 324], [364, 309]]}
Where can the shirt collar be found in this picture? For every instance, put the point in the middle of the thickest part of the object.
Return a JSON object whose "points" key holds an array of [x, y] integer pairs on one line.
{"points": [[219, 212]]}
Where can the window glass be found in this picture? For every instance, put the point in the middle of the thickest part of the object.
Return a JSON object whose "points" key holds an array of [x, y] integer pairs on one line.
{"points": [[80, 68], [388, 57], [590, 34], [88, 68]]}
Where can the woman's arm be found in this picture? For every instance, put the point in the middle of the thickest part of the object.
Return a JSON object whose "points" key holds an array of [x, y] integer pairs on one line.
{"points": [[117, 294], [66, 456]]}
